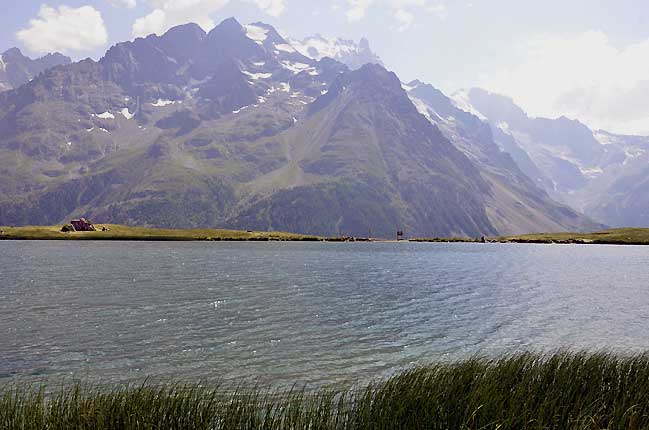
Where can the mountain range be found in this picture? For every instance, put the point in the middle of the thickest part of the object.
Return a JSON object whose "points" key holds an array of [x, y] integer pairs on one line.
{"points": [[601, 174], [17, 69], [242, 128]]}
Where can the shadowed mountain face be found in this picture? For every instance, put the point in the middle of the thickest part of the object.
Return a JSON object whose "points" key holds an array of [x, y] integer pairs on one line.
{"points": [[237, 128], [365, 159], [17, 69], [599, 173]]}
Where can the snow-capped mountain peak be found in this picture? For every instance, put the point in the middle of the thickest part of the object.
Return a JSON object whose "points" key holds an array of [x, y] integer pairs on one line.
{"points": [[353, 54]]}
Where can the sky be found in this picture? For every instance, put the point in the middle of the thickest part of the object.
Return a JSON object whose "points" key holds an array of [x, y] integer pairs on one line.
{"points": [[585, 59]]}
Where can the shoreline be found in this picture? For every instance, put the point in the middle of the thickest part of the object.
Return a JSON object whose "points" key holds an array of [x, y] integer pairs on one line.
{"points": [[622, 236]]}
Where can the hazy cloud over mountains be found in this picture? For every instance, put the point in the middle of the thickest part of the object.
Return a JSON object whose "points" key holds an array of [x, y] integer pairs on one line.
{"points": [[581, 75]]}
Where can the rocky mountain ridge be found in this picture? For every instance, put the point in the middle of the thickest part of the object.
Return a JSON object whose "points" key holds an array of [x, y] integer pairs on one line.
{"points": [[353, 55], [17, 69]]}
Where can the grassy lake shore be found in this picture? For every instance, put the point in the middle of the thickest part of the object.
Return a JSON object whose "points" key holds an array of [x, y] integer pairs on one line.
{"points": [[559, 391], [623, 236], [619, 236], [120, 232]]}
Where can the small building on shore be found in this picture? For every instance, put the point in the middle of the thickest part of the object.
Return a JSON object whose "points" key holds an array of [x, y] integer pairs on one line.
{"points": [[82, 225]]}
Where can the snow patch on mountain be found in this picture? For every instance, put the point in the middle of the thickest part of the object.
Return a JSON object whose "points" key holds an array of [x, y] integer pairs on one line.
{"points": [[284, 47], [3, 66], [283, 87], [407, 88], [632, 153], [126, 114], [318, 47], [604, 138], [462, 101], [296, 67], [163, 103], [256, 33], [105, 115], [257, 76], [422, 107], [591, 172], [504, 127]]}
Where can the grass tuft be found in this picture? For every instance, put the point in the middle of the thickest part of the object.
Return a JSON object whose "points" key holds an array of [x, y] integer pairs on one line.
{"points": [[527, 391]]}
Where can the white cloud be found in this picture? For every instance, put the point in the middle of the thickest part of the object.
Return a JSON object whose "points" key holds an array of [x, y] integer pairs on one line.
{"points": [[438, 9], [403, 11], [580, 75], [64, 29], [405, 19], [168, 13], [358, 9], [123, 3], [271, 7]]}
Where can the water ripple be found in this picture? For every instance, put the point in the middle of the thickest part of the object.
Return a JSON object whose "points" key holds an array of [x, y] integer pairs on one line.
{"points": [[280, 313]]}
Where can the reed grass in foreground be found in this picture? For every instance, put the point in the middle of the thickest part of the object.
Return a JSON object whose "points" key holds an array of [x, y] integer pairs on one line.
{"points": [[561, 391]]}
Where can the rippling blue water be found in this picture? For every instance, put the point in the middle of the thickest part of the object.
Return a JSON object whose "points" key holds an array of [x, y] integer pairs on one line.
{"points": [[316, 313]]}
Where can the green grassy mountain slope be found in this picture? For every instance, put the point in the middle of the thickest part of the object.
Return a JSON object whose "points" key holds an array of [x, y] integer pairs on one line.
{"points": [[368, 160]]}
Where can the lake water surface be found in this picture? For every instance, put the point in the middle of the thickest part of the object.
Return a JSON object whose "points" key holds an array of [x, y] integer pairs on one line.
{"points": [[307, 313]]}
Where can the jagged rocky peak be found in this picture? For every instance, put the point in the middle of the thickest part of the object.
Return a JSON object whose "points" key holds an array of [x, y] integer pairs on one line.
{"points": [[228, 30], [227, 41], [372, 82], [414, 84], [264, 33], [139, 61], [375, 84], [276, 46], [182, 42], [353, 54], [376, 74], [15, 56], [17, 69], [364, 44], [178, 45]]}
